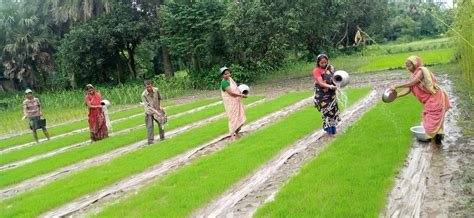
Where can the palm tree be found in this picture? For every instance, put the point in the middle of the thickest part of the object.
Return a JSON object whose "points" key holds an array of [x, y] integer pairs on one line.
{"points": [[66, 11], [26, 43]]}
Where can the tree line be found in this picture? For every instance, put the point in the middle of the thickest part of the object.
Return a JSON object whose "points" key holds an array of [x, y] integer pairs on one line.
{"points": [[56, 44]]}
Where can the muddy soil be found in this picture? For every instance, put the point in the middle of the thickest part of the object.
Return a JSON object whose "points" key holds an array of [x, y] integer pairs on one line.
{"points": [[437, 184]]}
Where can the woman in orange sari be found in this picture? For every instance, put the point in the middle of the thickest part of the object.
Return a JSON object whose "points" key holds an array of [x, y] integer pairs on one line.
{"points": [[232, 99], [424, 87], [97, 125]]}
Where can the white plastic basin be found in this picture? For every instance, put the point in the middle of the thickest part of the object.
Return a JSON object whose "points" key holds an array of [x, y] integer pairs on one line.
{"points": [[419, 133]]}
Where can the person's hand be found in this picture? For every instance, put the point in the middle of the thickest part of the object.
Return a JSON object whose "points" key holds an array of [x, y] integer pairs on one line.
{"points": [[244, 96], [392, 87], [333, 87]]}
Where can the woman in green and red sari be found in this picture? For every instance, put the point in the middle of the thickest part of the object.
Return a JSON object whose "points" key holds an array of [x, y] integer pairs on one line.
{"points": [[424, 87], [325, 95]]}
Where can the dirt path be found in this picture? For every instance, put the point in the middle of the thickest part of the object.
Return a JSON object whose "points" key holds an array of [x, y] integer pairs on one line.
{"points": [[49, 177], [437, 184], [95, 201]]}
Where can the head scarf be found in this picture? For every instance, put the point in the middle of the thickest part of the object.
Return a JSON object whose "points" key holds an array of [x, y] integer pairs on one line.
{"points": [[416, 61], [429, 83]]}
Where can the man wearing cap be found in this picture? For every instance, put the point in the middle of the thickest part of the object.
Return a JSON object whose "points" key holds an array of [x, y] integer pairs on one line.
{"points": [[32, 111], [151, 98]]}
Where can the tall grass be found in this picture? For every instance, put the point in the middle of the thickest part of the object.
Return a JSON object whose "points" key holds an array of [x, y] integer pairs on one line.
{"points": [[353, 175], [464, 22]]}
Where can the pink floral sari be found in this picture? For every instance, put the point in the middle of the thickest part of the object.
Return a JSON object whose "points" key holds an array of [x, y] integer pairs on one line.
{"points": [[433, 97], [234, 108]]}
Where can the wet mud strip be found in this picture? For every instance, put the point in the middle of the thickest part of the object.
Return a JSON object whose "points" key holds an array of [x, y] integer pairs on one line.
{"points": [[7, 150], [49, 177], [437, 183], [243, 198], [66, 148], [92, 203]]}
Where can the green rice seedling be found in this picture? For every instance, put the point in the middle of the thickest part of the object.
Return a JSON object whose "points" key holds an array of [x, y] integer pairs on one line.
{"points": [[397, 61], [178, 194], [54, 131], [48, 164], [352, 176], [84, 136], [44, 198]]}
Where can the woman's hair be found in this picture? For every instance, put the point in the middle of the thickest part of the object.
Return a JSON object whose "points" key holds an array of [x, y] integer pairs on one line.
{"points": [[89, 86], [320, 57]]}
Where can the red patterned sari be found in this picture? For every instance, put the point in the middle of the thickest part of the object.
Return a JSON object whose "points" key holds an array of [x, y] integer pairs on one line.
{"points": [[97, 125]]}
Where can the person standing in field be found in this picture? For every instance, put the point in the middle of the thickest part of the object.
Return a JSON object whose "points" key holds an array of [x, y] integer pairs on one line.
{"points": [[232, 98], [97, 122], [32, 111], [425, 88], [325, 99], [151, 98]]}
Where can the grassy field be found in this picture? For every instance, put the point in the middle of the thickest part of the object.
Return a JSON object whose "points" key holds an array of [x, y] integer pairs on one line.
{"points": [[45, 165], [352, 176], [397, 61], [34, 202], [53, 144], [211, 175]]}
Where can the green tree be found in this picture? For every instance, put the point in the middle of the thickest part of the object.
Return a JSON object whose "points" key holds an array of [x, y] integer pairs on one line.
{"points": [[25, 45]]}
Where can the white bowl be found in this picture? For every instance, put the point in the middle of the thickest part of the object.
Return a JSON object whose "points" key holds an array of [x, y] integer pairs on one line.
{"points": [[419, 133]]}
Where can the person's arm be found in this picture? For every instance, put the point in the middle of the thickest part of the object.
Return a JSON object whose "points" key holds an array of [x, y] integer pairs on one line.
{"points": [[323, 84], [24, 110], [39, 107], [89, 103], [159, 99], [415, 80], [235, 94], [318, 79], [404, 92]]}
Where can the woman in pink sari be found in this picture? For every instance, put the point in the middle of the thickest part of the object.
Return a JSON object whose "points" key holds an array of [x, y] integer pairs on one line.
{"points": [[97, 125], [232, 98], [424, 87]]}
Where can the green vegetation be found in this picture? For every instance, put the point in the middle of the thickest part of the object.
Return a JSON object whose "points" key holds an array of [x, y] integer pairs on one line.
{"points": [[48, 164], [396, 61], [465, 44], [34, 202], [129, 123], [352, 176], [25, 138], [211, 175]]}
